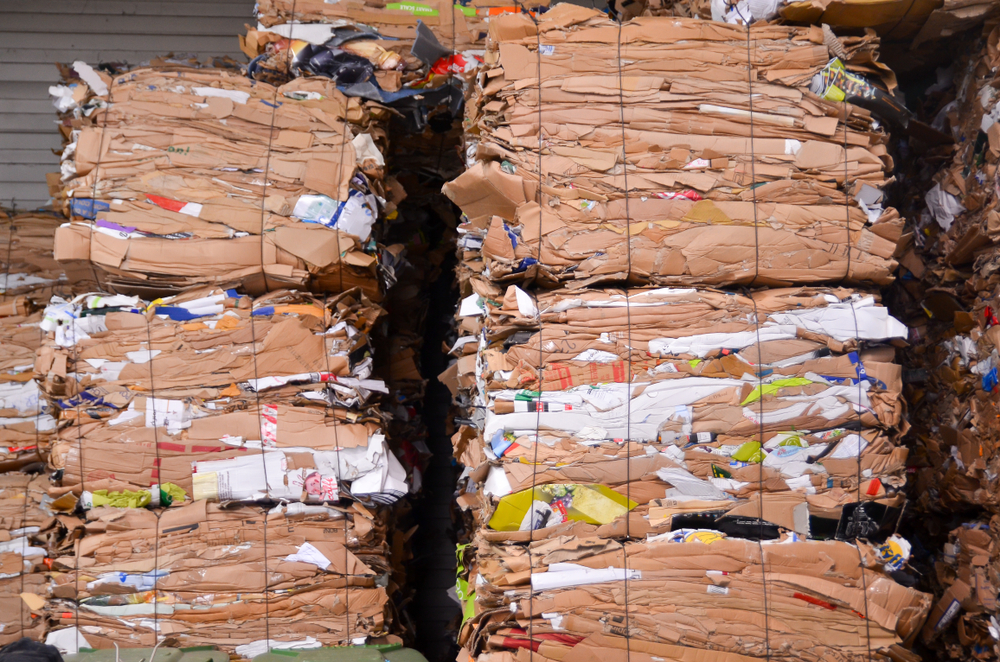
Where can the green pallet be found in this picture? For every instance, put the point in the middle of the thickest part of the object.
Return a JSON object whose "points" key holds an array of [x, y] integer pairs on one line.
{"points": [[199, 654], [383, 653]]}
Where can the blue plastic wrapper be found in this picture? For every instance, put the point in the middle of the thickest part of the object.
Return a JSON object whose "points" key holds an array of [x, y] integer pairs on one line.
{"points": [[990, 380]]}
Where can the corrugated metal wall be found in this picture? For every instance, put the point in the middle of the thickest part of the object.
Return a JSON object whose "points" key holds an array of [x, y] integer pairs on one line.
{"points": [[34, 34]]}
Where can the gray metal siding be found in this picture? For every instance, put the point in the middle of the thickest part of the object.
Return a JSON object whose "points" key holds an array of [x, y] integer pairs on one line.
{"points": [[35, 34]]}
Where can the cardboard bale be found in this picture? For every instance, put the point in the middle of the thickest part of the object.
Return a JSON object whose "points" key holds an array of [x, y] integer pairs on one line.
{"points": [[324, 574], [679, 473], [162, 181], [197, 387], [912, 24], [177, 411], [414, 57], [948, 294], [699, 209]]}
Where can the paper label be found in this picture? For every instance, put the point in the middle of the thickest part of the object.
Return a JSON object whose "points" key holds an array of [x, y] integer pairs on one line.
{"points": [[205, 486], [415, 8], [718, 590], [546, 49], [315, 486]]}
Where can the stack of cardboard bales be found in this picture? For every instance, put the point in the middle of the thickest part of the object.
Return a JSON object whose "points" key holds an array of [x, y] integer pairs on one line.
{"points": [[416, 59], [27, 424], [678, 472], [951, 288], [226, 472]]}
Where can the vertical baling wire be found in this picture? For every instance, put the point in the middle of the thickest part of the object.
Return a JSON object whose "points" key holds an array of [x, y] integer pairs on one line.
{"points": [[10, 248], [628, 348], [38, 411], [332, 394], [541, 352], [760, 373], [330, 399], [76, 351], [857, 349], [83, 479], [159, 480], [253, 330], [27, 487], [24, 513], [451, 91]]}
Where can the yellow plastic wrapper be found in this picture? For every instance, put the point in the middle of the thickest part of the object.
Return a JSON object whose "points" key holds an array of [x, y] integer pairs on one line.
{"points": [[593, 504], [138, 498]]}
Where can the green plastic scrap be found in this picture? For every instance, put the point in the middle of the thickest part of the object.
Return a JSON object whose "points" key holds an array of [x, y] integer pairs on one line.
{"points": [[749, 452], [773, 387], [593, 504], [462, 588]]}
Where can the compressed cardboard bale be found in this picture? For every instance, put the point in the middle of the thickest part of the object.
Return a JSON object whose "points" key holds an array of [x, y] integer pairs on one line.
{"points": [[413, 57], [190, 391], [912, 23], [218, 585], [700, 209], [694, 397], [178, 410], [682, 472], [162, 182], [949, 292]]}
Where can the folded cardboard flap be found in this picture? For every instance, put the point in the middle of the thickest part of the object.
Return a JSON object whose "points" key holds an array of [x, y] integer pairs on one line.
{"points": [[485, 190], [72, 242]]}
